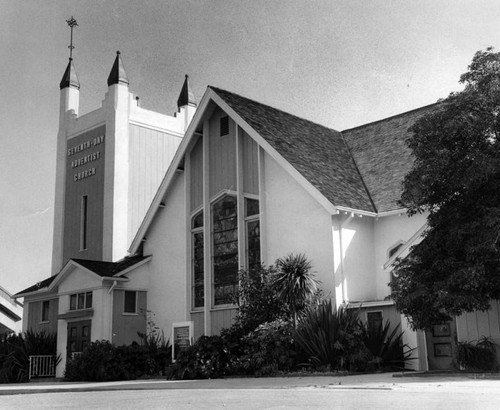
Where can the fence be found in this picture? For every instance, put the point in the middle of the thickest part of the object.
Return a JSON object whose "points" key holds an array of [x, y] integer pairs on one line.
{"points": [[42, 366]]}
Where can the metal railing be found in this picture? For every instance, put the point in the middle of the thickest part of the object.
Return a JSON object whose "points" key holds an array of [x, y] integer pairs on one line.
{"points": [[42, 366]]}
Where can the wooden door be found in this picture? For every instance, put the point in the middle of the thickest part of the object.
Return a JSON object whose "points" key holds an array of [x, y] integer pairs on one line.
{"points": [[78, 336]]}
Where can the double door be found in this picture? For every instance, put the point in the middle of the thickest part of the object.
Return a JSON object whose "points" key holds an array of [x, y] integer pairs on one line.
{"points": [[78, 336]]}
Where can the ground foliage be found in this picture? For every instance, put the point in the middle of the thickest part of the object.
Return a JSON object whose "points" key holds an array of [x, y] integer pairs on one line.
{"points": [[15, 351], [456, 179], [102, 361], [477, 356]]}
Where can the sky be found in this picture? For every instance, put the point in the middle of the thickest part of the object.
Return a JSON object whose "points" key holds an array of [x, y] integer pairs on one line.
{"points": [[338, 63]]}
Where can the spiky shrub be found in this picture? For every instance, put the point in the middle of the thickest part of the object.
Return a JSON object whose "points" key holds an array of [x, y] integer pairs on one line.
{"points": [[480, 355], [387, 348], [15, 351], [294, 282], [158, 351], [330, 337]]}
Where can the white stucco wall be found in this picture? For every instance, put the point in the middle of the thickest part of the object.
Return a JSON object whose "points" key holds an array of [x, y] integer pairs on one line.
{"points": [[358, 258], [296, 223], [388, 231], [166, 241]]}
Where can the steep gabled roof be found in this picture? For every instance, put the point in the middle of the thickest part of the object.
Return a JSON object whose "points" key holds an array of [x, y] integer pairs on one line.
{"points": [[383, 157], [357, 170], [317, 152]]}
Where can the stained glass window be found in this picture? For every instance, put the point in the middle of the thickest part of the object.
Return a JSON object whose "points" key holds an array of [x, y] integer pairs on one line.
{"points": [[253, 244], [225, 250]]}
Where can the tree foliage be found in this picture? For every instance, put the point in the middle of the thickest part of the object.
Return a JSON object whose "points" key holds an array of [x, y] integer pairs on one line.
{"points": [[456, 179]]}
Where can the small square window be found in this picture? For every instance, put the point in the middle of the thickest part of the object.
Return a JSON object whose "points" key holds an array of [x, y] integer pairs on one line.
{"points": [[224, 126], [130, 302]]}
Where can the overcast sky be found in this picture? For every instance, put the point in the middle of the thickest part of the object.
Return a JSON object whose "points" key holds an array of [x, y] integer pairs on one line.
{"points": [[338, 63]]}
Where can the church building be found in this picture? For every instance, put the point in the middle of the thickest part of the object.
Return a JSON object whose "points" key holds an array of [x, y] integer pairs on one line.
{"points": [[155, 215]]}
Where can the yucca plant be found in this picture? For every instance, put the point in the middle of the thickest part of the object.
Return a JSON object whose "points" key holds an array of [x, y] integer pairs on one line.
{"points": [[387, 347], [294, 283], [330, 337], [15, 352]]}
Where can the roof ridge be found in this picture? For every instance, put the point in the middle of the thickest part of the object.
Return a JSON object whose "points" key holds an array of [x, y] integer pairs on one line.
{"points": [[274, 108], [359, 173], [391, 117]]}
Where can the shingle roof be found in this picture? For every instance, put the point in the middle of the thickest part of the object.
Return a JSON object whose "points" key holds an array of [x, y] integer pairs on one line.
{"points": [[37, 286], [104, 269], [317, 152], [108, 269], [383, 157]]}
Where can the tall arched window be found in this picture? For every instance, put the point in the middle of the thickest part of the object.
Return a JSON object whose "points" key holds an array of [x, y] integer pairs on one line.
{"points": [[252, 223], [198, 280], [225, 249]]}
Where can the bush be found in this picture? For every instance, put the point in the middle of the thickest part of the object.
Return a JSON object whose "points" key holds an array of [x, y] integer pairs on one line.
{"points": [[102, 361], [257, 299], [331, 338], [478, 356], [208, 358], [268, 349], [15, 351]]}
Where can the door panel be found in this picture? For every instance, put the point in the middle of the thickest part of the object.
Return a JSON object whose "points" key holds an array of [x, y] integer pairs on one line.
{"points": [[441, 346], [78, 336]]}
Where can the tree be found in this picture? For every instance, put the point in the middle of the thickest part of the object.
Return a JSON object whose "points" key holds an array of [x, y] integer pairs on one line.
{"points": [[456, 179], [294, 282]]}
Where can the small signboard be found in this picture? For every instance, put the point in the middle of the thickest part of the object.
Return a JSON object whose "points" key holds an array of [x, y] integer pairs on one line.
{"points": [[182, 336]]}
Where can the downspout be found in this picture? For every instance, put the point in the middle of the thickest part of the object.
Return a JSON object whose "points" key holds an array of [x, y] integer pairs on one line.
{"points": [[111, 303], [113, 286]]}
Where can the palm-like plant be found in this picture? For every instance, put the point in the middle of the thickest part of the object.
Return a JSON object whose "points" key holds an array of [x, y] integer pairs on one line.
{"points": [[294, 282], [387, 347], [330, 336]]}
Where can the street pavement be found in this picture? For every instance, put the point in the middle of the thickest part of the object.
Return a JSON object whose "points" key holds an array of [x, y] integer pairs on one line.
{"points": [[374, 391]]}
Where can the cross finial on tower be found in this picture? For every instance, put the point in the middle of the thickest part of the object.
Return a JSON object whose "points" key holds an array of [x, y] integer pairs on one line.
{"points": [[71, 23]]}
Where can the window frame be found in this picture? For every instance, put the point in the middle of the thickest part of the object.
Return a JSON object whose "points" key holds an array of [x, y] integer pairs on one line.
{"points": [[87, 295], [226, 130], [84, 222], [45, 311], [247, 220], [368, 312], [197, 231], [218, 198], [136, 296]]}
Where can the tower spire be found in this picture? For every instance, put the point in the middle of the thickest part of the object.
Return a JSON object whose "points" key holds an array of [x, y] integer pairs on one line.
{"points": [[186, 97], [71, 23], [117, 74], [70, 79]]}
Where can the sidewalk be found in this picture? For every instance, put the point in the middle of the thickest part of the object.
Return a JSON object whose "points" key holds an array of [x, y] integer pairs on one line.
{"points": [[381, 381]]}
